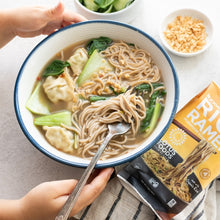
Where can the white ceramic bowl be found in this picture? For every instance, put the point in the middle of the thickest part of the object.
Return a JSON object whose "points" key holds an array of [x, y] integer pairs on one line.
{"points": [[125, 15], [46, 49], [194, 14]]}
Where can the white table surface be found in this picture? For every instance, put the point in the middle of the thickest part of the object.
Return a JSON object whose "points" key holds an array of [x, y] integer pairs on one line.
{"points": [[21, 165]]}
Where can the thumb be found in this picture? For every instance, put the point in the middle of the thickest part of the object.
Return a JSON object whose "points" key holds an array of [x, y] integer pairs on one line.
{"points": [[57, 10]]}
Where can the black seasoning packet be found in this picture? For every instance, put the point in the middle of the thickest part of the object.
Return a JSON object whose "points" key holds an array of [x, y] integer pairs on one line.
{"points": [[152, 191], [170, 175]]}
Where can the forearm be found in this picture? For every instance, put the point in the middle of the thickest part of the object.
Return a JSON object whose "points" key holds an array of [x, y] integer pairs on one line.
{"points": [[6, 28], [10, 210]]}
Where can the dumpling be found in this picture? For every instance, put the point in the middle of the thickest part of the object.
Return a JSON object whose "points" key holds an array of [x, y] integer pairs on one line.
{"points": [[60, 138], [78, 60], [57, 89]]}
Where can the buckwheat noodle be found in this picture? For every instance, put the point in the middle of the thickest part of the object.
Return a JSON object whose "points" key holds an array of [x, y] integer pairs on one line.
{"points": [[130, 66], [93, 121], [175, 177]]}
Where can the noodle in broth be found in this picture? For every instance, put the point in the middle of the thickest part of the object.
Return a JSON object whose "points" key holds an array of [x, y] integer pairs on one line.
{"points": [[130, 67]]}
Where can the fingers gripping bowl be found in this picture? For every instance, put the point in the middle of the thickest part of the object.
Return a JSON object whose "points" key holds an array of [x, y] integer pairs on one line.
{"points": [[45, 50]]}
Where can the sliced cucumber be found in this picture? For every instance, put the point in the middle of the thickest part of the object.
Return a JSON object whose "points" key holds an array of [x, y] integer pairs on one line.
{"points": [[91, 5], [55, 119], [37, 102], [121, 4], [95, 63]]}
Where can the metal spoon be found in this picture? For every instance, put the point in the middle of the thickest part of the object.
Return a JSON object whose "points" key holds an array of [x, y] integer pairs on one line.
{"points": [[114, 129]]}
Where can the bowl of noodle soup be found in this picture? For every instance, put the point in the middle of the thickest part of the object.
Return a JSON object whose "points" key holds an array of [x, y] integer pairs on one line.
{"points": [[110, 94]]}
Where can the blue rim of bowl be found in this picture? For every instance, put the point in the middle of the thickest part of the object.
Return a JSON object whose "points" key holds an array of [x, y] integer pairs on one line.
{"points": [[109, 164]]}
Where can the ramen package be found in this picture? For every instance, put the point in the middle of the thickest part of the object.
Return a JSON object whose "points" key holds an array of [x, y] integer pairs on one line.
{"points": [[184, 162]]}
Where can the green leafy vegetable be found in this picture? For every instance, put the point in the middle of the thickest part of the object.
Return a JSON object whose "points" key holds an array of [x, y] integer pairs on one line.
{"points": [[95, 98], [106, 6], [121, 4], [123, 90], [103, 3], [55, 119], [106, 10], [55, 68], [147, 87], [91, 5], [37, 102], [98, 44], [131, 44], [94, 64], [113, 90], [153, 112], [155, 117]]}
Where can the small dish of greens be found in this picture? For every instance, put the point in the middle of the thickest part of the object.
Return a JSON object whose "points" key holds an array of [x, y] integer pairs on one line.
{"points": [[106, 6], [117, 10]]}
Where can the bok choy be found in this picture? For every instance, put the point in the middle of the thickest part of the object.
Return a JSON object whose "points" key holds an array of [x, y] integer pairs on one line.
{"points": [[105, 6], [55, 68], [37, 103], [153, 111], [98, 44], [55, 119]]}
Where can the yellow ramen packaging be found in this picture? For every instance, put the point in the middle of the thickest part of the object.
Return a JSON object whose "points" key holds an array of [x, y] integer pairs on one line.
{"points": [[185, 161]]}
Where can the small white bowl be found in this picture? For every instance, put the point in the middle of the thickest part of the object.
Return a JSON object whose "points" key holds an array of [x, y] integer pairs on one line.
{"points": [[194, 14], [125, 15], [79, 32]]}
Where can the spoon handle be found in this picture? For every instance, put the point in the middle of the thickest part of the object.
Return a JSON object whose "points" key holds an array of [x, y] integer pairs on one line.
{"points": [[66, 209]]}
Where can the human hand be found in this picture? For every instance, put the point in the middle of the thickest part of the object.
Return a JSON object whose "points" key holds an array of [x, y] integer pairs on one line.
{"points": [[34, 21], [46, 200]]}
